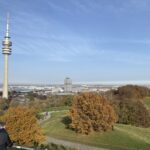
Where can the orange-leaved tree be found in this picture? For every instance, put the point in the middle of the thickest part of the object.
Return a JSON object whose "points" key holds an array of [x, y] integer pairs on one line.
{"points": [[91, 112], [22, 125]]}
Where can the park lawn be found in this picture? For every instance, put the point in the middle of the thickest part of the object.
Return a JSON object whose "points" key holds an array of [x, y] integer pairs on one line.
{"points": [[59, 108], [124, 137], [147, 101]]}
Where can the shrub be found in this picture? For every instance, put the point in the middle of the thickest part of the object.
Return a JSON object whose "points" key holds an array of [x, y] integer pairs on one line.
{"points": [[91, 112], [4, 104]]}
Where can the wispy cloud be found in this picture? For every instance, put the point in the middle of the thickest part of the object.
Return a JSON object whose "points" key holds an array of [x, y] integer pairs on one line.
{"points": [[57, 7], [81, 6], [50, 45], [42, 37], [138, 3], [116, 6]]}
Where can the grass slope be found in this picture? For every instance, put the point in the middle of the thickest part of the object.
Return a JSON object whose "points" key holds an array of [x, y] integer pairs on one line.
{"points": [[124, 137], [59, 108]]}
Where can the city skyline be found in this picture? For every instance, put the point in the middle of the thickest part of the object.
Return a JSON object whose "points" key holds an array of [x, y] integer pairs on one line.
{"points": [[88, 41]]}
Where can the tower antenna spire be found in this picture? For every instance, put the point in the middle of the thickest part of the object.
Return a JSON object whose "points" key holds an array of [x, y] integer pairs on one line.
{"points": [[7, 25]]}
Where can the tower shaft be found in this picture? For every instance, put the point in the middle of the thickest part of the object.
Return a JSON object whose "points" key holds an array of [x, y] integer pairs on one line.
{"points": [[5, 82]]}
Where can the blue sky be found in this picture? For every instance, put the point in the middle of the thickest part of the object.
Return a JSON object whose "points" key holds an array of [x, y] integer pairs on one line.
{"points": [[87, 40]]}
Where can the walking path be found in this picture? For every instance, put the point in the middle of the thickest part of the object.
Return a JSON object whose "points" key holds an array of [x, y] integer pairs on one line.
{"points": [[22, 147], [72, 144], [46, 115]]}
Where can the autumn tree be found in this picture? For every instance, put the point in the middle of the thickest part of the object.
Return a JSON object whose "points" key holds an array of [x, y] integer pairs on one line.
{"points": [[128, 103], [22, 126], [91, 112], [132, 112], [133, 92]]}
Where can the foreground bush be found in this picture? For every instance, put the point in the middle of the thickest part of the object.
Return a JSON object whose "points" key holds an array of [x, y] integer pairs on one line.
{"points": [[133, 113], [91, 112], [22, 126]]}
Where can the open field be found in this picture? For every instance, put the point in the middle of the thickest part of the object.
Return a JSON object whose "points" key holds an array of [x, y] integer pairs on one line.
{"points": [[124, 137]]}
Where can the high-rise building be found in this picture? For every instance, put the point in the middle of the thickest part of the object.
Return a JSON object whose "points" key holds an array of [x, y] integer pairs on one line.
{"points": [[67, 85], [6, 50]]}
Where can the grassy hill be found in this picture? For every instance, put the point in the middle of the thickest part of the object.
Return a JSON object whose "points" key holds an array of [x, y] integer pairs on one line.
{"points": [[124, 137]]}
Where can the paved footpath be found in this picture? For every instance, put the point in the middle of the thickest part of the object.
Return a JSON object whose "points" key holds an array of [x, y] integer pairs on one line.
{"points": [[72, 144]]}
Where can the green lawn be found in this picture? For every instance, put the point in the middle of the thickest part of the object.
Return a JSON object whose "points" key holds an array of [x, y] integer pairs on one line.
{"points": [[124, 137], [57, 108], [147, 101]]}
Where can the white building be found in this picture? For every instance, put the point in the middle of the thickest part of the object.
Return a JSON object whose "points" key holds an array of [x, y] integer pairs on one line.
{"points": [[67, 85]]}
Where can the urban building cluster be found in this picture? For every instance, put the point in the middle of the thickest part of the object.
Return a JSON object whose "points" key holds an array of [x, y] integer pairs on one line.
{"points": [[61, 89]]}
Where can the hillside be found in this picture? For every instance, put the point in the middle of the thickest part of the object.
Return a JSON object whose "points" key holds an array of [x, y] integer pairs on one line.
{"points": [[124, 137]]}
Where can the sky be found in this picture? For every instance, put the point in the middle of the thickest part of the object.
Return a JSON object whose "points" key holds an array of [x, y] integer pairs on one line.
{"points": [[90, 41]]}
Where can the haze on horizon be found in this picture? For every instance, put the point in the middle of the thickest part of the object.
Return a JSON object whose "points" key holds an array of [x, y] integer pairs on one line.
{"points": [[89, 41]]}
